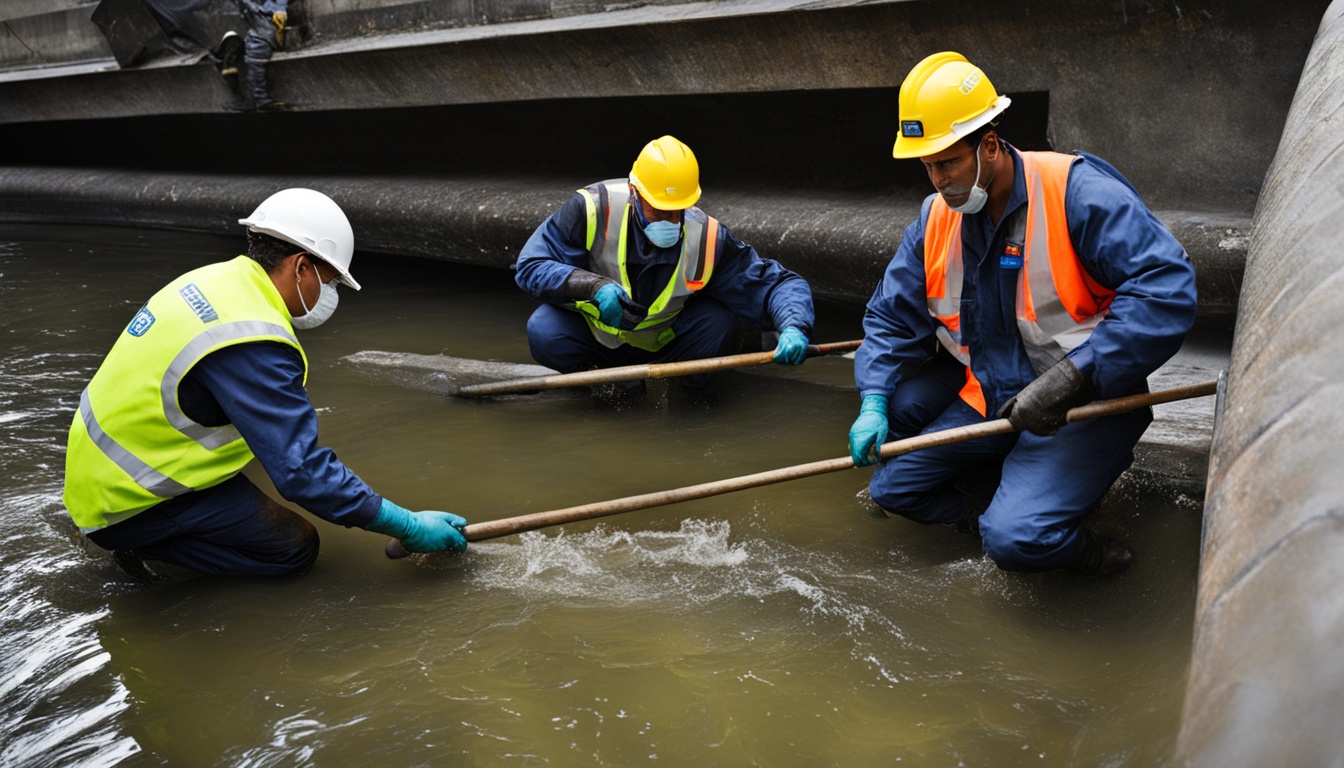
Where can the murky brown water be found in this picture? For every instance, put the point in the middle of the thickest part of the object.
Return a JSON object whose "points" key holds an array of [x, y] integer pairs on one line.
{"points": [[784, 625]]}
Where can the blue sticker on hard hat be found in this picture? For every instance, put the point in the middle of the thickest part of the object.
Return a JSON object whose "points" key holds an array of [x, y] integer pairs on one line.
{"points": [[912, 129], [198, 303], [141, 322]]}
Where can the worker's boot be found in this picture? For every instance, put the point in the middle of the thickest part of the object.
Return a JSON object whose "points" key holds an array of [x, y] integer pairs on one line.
{"points": [[229, 55], [135, 566], [255, 89], [1099, 555]]}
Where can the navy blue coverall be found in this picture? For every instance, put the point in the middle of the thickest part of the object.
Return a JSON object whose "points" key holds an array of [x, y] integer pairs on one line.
{"points": [[745, 292], [234, 528], [259, 42], [1048, 484]]}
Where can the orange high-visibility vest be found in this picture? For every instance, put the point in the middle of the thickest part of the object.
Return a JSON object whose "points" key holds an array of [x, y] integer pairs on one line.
{"points": [[1058, 302]]}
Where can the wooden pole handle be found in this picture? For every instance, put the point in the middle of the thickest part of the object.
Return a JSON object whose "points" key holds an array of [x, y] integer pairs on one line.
{"points": [[508, 526], [641, 371]]}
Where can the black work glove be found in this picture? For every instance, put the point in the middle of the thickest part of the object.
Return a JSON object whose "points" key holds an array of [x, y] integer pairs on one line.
{"points": [[1042, 406]]}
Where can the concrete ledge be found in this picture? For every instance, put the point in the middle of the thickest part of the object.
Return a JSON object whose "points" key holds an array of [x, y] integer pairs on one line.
{"points": [[840, 243], [1194, 153]]}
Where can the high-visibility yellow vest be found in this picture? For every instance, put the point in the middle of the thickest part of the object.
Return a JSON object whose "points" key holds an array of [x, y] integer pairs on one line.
{"points": [[1058, 302], [130, 445], [608, 204]]}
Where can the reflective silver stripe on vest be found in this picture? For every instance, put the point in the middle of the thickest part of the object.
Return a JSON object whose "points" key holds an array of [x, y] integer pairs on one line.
{"points": [[144, 475], [613, 199], [949, 303], [1055, 332], [612, 212], [209, 438]]}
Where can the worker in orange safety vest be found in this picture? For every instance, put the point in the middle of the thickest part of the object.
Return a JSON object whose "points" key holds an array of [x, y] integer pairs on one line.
{"points": [[1032, 282]]}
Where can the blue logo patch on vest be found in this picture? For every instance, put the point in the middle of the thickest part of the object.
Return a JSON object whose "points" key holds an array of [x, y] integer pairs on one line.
{"points": [[1012, 257], [141, 322], [198, 303], [912, 129]]}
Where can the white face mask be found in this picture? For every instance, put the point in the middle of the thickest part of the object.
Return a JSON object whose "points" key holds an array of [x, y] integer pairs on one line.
{"points": [[975, 200], [322, 310]]}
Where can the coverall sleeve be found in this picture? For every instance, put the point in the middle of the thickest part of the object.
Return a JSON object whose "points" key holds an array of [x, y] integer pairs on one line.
{"points": [[259, 387], [898, 332], [553, 251], [1129, 250], [758, 290]]}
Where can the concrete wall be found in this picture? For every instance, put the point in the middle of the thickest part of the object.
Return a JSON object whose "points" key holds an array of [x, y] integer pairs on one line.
{"points": [[789, 103], [1267, 679], [1187, 99], [49, 33]]}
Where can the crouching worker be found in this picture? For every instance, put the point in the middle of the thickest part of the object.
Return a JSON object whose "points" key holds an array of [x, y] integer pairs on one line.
{"points": [[1032, 282], [630, 272], [209, 374]]}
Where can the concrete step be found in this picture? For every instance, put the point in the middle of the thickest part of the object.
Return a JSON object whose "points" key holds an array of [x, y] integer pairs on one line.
{"points": [[841, 243]]}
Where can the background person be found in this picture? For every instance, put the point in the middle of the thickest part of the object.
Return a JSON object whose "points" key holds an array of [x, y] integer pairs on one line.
{"points": [[209, 374], [631, 272], [1032, 282], [265, 21]]}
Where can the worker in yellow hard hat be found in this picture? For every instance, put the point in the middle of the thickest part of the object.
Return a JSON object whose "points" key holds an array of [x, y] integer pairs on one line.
{"points": [[630, 271], [1031, 282]]}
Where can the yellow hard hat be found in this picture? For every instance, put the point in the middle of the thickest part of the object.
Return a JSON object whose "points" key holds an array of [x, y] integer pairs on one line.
{"points": [[667, 174], [943, 99]]}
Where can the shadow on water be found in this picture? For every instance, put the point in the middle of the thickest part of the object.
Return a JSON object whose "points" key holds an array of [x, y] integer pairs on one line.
{"points": [[784, 625]]}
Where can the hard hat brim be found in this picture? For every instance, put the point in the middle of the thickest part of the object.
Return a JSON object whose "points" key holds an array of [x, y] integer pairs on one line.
{"points": [[907, 147], [344, 274], [679, 204]]}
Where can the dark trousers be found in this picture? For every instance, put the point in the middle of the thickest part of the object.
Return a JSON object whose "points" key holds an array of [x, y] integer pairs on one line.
{"points": [[1048, 484], [258, 44], [559, 338], [229, 529]]}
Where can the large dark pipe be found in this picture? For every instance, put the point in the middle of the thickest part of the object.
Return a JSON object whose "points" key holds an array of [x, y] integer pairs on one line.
{"points": [[1267, 676]]}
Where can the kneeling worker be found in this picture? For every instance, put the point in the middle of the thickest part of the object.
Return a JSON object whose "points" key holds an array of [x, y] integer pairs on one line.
{"points": [[631, 273], [1032, 282], [208, 374]]}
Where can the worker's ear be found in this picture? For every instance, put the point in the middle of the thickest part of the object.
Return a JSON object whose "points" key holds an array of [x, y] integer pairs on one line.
{"points": [[991, 144]]}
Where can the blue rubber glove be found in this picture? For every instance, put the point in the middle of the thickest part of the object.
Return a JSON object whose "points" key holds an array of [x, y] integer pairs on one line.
{"points": [[612, 303], [869, 430], [427, 531], [792, 347]]}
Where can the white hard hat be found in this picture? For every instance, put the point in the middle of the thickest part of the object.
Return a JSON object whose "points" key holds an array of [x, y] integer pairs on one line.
{"points": [[311, 220]]}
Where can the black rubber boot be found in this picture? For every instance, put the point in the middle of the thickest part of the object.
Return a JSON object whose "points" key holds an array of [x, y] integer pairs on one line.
{"points": [[135, 566], [229, 54], [253, 85], [1100, 556]]}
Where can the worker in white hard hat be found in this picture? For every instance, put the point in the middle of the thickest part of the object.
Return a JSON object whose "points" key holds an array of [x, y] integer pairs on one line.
{"points": [[1030, 283], [630, 271], [209, 374]]}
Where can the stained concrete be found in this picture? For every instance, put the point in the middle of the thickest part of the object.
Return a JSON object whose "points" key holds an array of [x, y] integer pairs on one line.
{"points": [[449, 128], [841, 242]]}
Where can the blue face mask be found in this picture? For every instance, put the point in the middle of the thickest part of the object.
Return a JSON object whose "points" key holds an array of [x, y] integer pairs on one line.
{"points": [[663, 234]]}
